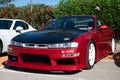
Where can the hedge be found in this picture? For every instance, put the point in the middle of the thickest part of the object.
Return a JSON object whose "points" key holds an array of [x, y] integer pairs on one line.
{"points": [[109, 10], [41, 14]]}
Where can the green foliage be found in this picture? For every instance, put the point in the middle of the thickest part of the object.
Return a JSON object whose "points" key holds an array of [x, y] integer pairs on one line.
{"points": [[40, 14], [109, 9]]}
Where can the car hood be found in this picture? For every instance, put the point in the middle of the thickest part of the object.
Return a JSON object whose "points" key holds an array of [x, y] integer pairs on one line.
{"points": [[47, 36]]}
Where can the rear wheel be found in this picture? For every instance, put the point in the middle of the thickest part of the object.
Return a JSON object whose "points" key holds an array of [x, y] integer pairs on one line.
{"points": [[91, 55]]}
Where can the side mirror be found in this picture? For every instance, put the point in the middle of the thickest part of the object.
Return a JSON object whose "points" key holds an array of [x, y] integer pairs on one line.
{"points": [[19, 29], [103, 27]]}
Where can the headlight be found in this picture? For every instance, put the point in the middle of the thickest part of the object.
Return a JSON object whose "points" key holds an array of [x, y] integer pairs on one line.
{"points": [[17, 43], [64, 45]]}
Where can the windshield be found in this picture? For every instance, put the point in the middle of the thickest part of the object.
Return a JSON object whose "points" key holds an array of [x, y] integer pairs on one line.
{"points": [[5, 24], [72, 22]]}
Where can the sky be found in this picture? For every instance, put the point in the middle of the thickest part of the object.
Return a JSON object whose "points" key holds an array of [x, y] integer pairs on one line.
{"points": [[19, 3]]}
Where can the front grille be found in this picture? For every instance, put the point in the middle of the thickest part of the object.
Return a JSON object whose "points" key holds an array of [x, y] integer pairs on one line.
{"points": [[65, 61], [31, 45], [36, 58]]}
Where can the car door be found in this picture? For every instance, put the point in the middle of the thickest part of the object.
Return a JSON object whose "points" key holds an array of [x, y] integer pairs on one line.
{"points": [[23, 25], [19, 23], [102, 35], [5, 33]]}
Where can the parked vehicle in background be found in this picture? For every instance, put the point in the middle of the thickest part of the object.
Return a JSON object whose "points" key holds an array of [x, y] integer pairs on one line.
{"points": [[67, 43], [9, 28]]}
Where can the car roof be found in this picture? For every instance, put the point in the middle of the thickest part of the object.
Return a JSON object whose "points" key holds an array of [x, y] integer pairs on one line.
{"points": [[80, 15], [11, 19]]}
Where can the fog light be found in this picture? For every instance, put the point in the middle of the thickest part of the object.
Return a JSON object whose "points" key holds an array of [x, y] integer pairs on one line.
{"points": [[70, 55], [14, 58]]}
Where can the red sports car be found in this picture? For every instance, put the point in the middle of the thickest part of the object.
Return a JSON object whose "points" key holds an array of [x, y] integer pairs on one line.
{"points": [[66, 43]]}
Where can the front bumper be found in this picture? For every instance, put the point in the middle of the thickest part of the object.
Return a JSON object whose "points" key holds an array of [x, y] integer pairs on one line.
{"points": [[43, 59]]}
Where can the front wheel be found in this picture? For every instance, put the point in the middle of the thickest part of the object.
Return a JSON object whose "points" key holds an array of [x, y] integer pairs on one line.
{"points": [[0, 48], [91, 51], [113, 45]]}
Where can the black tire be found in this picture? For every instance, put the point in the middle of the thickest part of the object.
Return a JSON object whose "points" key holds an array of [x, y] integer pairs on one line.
{"points": [[1, 48], [91, 53]]}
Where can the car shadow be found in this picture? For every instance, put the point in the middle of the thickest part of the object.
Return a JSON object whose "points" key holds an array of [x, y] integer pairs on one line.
{"points": [[41, 71], [3, 54], [116, 58]]}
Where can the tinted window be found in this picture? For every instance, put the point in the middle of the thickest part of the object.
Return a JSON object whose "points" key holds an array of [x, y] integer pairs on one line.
{"points": [[78, 22], [21, 24], [5, 24]]}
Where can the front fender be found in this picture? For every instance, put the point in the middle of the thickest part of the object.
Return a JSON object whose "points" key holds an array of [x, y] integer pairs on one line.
{"points": [[6, 37]]}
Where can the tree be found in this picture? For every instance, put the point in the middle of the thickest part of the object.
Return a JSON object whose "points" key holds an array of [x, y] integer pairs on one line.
{"points": [[109, 10], [5, 3]]}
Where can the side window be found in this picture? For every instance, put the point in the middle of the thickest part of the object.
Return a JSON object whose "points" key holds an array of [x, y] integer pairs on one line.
{"points": [[5, 24], [22, 24], [99, 22]]}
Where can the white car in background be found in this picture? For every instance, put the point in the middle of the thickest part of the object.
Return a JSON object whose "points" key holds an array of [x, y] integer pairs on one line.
{"points": [[9, 28]]}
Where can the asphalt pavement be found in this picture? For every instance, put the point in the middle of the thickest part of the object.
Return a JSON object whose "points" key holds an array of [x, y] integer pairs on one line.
{"points": [[103, 70]]}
